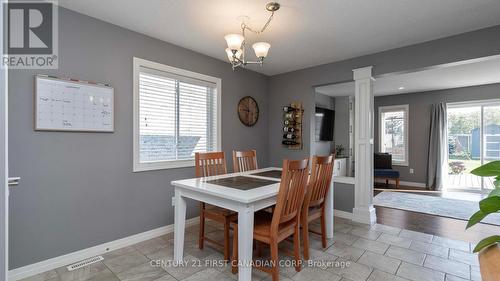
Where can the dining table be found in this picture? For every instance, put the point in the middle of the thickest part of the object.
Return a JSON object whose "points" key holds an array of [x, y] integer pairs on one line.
{"points": [[244, 193]]}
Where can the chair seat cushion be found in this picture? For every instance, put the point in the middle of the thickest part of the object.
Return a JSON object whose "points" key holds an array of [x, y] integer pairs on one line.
{"points": [[262, 224], [389, 173]]}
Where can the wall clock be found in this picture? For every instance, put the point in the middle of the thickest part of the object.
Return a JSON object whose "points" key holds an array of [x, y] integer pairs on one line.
{"points": [[248, 111]]}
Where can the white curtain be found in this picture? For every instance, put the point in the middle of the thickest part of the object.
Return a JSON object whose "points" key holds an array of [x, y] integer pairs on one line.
{"points": [[437, 158]]}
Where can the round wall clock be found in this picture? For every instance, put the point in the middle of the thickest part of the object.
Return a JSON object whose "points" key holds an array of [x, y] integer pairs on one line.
{"points": [[248, 111]]}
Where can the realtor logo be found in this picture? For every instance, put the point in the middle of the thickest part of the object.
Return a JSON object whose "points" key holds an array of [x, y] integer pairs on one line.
{"points": [[31, 28]]}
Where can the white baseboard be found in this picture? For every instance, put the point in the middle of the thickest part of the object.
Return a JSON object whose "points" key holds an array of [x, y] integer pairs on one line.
{"points": [[53, 263], [407, 183], [342, 214], [414, 184]]}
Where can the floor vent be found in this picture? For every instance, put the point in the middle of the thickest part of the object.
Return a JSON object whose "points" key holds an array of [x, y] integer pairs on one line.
{"points": [[84, 263]]}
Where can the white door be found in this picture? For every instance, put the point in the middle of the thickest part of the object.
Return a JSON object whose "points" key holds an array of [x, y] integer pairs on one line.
{"points": [[4, 187]]}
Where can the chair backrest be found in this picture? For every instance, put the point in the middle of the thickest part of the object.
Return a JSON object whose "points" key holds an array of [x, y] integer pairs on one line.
{"points": [[244, 161], [291, 193], [210, 164], [382, 160], [319, 182]]}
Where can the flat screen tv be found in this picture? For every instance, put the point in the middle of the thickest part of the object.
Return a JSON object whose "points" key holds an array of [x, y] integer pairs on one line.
{"points": [[325, 119]]}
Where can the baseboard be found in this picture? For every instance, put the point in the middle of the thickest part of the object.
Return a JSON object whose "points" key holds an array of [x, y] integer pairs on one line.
{"points": [[407, 183], [53, 263], [342, 214]]}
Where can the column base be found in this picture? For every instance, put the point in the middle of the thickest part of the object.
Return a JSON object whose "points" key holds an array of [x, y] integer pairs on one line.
{"points": [[364, 215]]}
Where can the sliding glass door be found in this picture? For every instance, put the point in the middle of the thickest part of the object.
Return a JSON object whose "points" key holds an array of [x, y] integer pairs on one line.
{"points": [[491, 138], [473, 139]]}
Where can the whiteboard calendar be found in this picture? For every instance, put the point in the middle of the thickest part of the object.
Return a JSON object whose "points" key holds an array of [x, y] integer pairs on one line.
{"points": [[72, 105]]}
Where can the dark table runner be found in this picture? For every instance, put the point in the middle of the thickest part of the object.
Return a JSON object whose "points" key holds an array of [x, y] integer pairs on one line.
{"points": [[269, 174], [241, 182]]}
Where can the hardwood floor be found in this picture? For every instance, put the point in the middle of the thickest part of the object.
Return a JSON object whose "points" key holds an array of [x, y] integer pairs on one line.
{"points": [[436, 225]]}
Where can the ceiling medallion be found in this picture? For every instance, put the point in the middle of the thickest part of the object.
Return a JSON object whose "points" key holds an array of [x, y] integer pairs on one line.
{"points": [[236, 43]]}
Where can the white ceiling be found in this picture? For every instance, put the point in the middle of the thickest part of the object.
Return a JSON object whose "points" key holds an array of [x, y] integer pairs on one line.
{"points": [[304, 32], [463, 74]]}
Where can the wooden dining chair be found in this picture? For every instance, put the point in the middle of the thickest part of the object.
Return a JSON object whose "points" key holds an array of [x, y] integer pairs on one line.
{"points": [[272, 228], [212, 164], [244, 160], [314, 202]]}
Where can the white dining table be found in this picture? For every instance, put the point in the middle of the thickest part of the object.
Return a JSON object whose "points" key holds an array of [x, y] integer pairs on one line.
{"points": [[243, 201]]}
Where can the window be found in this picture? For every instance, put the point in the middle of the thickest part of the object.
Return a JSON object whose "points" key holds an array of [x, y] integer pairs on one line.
{"points": [[393, 126], [176, 113]]}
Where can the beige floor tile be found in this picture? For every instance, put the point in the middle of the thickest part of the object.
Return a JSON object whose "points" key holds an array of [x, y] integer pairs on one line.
{"points": [[365, 233], [450, 243], [125, 261], [464, 257], [431, 249], [417, 236], [383, 263], [419, 273], [84, 273], [50, 275], [352, 270], [407, 255], [394, 240], [316, 274], [345, 251], [143, 272], [370, 245], [448, 266]]}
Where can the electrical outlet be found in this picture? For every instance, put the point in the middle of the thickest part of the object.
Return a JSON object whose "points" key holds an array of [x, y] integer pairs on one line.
{"points": [[173, 201], [412, 171]]}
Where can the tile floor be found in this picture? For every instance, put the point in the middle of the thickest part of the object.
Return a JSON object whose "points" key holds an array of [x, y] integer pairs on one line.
{"points": [[357, 252]]}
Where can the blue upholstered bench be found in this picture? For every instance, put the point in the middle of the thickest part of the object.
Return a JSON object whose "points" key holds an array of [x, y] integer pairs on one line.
{"points": [[383, 168], [387, 174]]}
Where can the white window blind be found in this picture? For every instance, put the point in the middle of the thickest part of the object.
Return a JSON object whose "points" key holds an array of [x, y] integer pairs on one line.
{"points": [[177, 116]]}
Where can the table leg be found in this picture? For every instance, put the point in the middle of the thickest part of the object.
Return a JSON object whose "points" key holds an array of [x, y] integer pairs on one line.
{"points": [[179, 225], [245, 243], [329, 212]]}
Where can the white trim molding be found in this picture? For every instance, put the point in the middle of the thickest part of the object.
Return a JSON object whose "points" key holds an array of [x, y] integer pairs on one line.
{"points": [[363, 211], [344, 180], [342, 214], [53, 263], [405, 183]]}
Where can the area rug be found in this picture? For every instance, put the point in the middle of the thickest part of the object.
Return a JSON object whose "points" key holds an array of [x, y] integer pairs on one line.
{"points": [[444, 207]]}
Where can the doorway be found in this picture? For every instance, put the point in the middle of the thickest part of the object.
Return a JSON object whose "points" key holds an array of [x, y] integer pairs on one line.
{"points": [[473, 140]]}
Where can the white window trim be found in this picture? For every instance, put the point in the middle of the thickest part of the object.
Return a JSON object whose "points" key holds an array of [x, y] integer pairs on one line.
{"points": [[406, 108], [172, 164]]}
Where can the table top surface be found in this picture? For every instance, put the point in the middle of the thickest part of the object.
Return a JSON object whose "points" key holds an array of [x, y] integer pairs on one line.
{"points": [[245, 187]]}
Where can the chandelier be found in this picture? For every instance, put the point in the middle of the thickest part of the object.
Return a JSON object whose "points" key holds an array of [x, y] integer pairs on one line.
{"points": [[236, 43]]}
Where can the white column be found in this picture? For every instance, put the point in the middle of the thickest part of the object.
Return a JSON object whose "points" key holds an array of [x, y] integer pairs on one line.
{"points": [[363, 211]]}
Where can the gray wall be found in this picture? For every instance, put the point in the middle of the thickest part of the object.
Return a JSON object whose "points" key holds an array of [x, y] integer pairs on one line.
{"points": [[3, 155], [324, 147], [299, 85], [419, 121], [341, 130], [343, 197], [78, 189]]}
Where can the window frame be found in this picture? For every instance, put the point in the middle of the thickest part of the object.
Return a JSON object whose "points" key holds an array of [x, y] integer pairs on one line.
{"points": [[139, 63], [393, 108]]}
